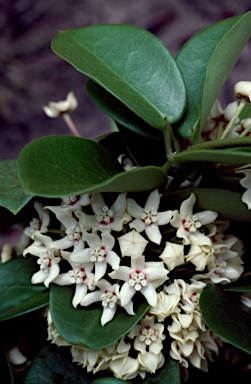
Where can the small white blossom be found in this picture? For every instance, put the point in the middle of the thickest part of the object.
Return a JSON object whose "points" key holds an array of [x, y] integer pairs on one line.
{"points": [[246, 183], [173, 255], [48, 259], [148, 219], [242, 90], [188, 224], [99, 253], [39, 223], [110, 298], [142, 277], [80, 275], [132, 244], [55, 109], [105, 218]]}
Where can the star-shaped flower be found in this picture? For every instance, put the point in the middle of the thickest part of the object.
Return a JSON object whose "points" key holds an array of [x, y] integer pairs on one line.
{"points": [[99, 253], [80, 275], [132, 244], [173, 255], [105, 218], [188, 224], [142, 277], [148, 219], [109, 295]]}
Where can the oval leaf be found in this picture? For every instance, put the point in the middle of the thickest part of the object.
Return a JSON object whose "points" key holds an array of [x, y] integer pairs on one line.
{"points": [[18, 294], [82, 326], [53, 365], [132, 64], [12, 194], [57, 166], [224, 315], [243, 284], [205, 62], [221, 156]]}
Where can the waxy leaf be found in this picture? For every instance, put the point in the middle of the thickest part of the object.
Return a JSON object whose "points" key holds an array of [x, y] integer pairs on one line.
{"points": [[66, 165], [168, 374], [132, 64], [226, 203], [54, 365], [221, 156], [12, 194], [205, 62], [82, 325], [110, 380], [226, 316], [243, 284], [18, 294]]}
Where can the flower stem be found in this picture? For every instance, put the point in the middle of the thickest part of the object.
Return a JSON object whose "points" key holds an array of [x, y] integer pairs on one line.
{"points": [[70, 124], [234, 118], [246, 131]]}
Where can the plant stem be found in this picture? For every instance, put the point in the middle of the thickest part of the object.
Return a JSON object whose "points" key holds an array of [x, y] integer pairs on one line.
{"points": [[246, 131], [70, 124], [234, 118]]}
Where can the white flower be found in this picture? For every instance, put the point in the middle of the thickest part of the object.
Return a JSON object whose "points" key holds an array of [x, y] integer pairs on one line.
{"points": [[48, 259], [246, 183], [148, 219], [100, 253], [142, 277], [173, 255], [73, 231], [109, 296], [55, 109], [38, 224], [218, 120], [70, 204], [105, 218], [132, 244], [166, 305], [80, 275], [125, 368], [226, 266], [188, 224], [242, 90]]}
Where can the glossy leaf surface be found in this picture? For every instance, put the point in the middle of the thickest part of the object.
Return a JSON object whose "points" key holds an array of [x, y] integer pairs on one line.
{"points": [[132, 64], [82, 326], [65, 165], [224, 315], [206, 61], [222, 156], [12, 194], [18, 294], [54, 365]]}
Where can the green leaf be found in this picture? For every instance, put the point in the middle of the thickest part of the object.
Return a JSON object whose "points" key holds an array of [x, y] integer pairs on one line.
{"points": [[228, 204], [130, 63], [82, 326], [57, 166], [221, 156], [12, 194], [224, 315], [110, 380], [169, 374], [205, 62], [54, 365], [120, 113], [243, 284], [18, 294]]}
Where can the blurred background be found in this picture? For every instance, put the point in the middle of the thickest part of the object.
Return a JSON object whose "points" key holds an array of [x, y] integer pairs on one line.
{"points": [[32, 75]]}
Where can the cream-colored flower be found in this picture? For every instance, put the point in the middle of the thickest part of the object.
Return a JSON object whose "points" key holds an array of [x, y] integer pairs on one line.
{"points": [[188, 224], [166, 305], [132, 244], [55, 109], [148, 219], [105, 218], [38, 224], [143, 277], [246, 183], [242, 90], [173, 255]]}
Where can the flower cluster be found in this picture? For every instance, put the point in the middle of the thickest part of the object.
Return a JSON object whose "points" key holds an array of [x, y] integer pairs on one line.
{"points": [[128, 249]]}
